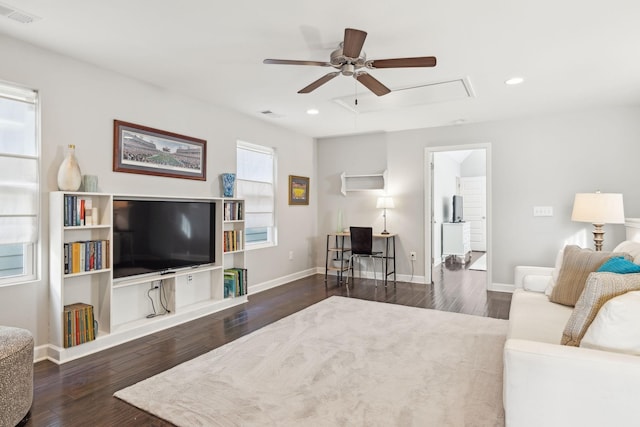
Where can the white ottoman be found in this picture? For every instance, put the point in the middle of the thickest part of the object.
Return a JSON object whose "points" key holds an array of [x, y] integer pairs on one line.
{"points": [[16, 375]]}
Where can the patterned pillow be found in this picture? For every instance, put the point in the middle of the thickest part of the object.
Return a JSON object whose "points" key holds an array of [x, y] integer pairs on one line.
{"points": [[577, 264], [619, 265], [599, 289]]}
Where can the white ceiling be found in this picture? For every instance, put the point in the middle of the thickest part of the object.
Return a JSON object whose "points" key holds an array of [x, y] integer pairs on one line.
{"points": [[572, 53]]}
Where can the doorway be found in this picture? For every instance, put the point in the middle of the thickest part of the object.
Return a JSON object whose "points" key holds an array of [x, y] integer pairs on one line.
{"points": [[463, 171]]}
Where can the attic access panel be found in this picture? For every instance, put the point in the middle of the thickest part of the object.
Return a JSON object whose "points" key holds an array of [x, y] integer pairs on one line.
{"points": [[430, 93]]}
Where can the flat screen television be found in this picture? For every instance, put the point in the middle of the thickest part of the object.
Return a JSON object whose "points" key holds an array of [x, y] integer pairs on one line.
{"points": [[151, 235], [457, 209]]}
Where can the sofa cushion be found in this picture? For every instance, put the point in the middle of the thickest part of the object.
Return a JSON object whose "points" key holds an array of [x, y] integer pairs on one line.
{"points": [[599, 289], [533, 317], [615, 327], [577, 263]]}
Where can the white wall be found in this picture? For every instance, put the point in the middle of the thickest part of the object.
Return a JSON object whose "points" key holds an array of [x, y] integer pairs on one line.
{"points": [[541, 160], [79, 103]]}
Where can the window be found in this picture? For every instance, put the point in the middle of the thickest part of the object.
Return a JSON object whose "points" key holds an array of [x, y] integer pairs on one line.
{"points": [[19, 183], [255, 174]]}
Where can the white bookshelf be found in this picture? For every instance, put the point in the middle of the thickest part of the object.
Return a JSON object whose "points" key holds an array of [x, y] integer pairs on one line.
{"points": [[122, 306]]}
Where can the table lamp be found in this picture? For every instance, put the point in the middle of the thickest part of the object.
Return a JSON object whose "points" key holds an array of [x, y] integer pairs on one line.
{"points": [[385, 203], [599, 209]]}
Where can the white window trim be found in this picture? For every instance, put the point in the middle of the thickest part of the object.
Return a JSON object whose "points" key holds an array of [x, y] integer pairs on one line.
{"points": [[274, 229], [33, 252]]}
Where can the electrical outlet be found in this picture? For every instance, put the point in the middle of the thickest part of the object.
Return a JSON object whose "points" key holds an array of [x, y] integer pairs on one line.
{"points": [[189, 278], [290, 255], [412, 256]]}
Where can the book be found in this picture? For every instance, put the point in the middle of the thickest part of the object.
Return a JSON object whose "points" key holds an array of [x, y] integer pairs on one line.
{"points": [[79, 324]]}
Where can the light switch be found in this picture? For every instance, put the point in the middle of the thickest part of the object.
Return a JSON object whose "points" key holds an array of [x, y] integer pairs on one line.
{"points": [[542, 211]]}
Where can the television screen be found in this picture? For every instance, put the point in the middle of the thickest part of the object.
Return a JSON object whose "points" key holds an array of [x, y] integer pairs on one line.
{"points": [[160, 235], [457, 209]]}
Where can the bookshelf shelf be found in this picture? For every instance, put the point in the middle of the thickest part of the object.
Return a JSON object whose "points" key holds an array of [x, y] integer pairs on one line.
{"points": [[121, 307]]}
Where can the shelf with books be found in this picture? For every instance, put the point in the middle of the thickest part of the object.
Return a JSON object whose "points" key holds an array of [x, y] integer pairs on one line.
{"points": [[79, 264], [233, 210], [126, 308]]}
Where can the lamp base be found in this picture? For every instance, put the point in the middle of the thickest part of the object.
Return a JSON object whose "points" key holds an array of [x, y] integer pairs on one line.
{"points": [[598, 236], [385, 232]]}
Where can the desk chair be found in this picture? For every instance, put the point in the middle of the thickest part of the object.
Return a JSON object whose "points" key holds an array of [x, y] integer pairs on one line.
{"points": [[362, 247]]}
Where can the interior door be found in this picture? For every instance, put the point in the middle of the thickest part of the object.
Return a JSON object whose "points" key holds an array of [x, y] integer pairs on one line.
{"points": [[474, 208]]}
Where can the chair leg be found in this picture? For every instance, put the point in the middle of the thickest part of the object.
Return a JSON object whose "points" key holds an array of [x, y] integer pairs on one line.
{"points": [[373, 264]]}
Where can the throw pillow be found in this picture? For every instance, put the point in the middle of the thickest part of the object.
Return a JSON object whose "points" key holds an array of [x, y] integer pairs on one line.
{"points": [[619, 265], [599, 289], [630, 247], [577, 263], [615, 327]]}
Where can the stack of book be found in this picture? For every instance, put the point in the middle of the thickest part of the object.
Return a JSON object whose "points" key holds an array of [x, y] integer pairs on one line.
{"points": [[235, 282], [232, 211], [79, 211], [233, 240], [79, 324], [86, 256]]}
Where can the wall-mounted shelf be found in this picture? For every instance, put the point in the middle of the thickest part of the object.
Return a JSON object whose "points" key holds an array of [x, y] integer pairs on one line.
{"points": [[364, 182]]}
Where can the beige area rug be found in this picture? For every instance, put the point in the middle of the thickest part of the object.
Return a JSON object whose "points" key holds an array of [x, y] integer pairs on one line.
{"points": [[341, 362]]}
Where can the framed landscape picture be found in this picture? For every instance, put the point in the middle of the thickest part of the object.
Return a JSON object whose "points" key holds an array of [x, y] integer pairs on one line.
{"points": [[144, 150], [298, 190]]}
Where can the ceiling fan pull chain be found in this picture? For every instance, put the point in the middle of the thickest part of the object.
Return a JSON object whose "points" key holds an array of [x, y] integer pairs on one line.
{"points": [[355, 98]]}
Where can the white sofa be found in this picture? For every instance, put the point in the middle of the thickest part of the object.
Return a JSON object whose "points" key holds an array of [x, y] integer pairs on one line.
{"points": [[549, 384]]}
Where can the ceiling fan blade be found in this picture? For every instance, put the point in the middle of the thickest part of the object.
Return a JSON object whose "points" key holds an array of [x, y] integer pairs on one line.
{"points": [[372, 84], [353, 42], [422, 61], [294, 62], [322, 80]]}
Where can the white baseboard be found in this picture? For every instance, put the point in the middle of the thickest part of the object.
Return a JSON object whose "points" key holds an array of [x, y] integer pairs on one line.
{"points": [[501, 287], [40, 353], [281, 281]]}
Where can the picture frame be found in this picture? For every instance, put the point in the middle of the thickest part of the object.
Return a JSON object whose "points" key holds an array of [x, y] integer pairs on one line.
{"points": [[298, 190], [148, 151]]}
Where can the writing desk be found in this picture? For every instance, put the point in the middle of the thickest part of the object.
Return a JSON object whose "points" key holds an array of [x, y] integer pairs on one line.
{"points": [[337, 251]]}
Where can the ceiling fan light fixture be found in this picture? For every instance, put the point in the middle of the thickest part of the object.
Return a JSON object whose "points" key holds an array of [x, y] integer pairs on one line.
{"points": [[348, 69]]}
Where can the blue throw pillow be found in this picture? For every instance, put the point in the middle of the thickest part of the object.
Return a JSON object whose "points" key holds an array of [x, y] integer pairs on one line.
{"points": [[619, 265]]}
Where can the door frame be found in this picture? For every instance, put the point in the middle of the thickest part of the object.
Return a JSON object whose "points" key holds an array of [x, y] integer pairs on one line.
{"points": [[428, 208]]}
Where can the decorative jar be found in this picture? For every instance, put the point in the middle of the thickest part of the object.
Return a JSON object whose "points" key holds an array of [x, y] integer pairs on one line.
{"points": [[69, 175], [228, 183]]}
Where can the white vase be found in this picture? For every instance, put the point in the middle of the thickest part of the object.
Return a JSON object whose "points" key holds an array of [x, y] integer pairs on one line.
{"points": [[69, 175]]}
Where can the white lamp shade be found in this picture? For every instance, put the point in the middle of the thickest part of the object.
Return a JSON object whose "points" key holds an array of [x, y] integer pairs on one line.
{"points": [[598, 208], [385, 203]]}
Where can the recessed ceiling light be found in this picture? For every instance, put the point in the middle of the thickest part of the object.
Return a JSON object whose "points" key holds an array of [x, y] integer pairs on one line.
{"points": [[313, 111], [514, 81]]}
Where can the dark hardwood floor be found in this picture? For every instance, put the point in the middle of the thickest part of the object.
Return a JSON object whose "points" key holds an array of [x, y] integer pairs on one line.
{"points": [[79, 393]]}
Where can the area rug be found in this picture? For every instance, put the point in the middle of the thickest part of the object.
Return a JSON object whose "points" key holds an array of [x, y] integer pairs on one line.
{"points": [[480, 264], [341, 362]]}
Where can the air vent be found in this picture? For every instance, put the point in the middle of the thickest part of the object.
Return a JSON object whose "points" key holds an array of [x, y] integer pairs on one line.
{"points": [[271, 114], [17, 15]]}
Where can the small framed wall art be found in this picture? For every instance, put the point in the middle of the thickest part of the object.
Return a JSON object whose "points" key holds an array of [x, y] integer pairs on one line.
{"points": [[144, 150], [298, 190]]}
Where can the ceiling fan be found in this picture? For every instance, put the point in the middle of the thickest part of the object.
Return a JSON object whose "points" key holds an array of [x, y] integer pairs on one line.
{"points": [[349, 58]]}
